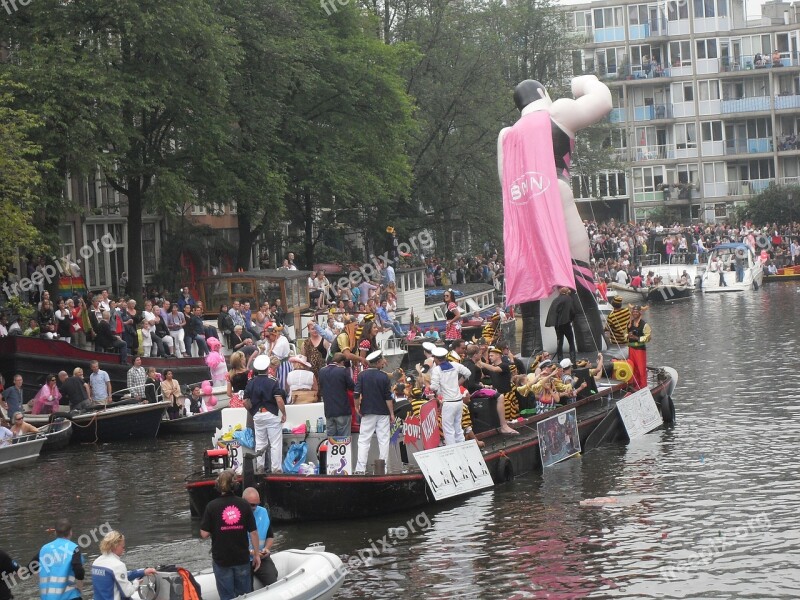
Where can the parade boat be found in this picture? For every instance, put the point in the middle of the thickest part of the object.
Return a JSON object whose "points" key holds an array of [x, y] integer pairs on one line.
{"points": [[110, 423], [784, 274], [35, 358], [298, 498], [725, 255], [21, 452], [310, 574]]}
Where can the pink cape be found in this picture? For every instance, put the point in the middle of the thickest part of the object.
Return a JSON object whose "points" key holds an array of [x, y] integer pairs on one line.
{"points": [[42, 400], [535, 236]]}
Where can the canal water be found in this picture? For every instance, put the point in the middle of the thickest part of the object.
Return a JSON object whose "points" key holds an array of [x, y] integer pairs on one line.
{"points": [[705, 510]]}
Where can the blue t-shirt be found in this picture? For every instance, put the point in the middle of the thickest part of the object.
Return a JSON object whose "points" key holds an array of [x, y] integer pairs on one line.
{"points": [[98, 382]]}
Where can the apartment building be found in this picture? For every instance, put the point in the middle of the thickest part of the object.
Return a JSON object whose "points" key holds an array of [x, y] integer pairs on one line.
{"points": [[706, 103]]}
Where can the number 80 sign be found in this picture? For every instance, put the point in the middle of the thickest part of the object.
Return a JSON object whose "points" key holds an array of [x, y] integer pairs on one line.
{"points": [[339, 456]]}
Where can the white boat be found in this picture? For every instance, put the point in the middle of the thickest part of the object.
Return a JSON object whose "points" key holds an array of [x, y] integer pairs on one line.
{"points": [[302, 575], [21, 452], [752, 273]]}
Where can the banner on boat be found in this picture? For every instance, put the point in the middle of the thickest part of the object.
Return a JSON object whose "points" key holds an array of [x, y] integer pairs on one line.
{"points": [[639, 413], [558, 437], [454, 470], [431, 435], [340, 456]]}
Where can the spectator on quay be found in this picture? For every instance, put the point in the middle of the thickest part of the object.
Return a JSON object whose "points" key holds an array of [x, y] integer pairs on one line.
{"points": [[186, 298], [106, 340], [175, 322], [195, 332], [152, 386]]}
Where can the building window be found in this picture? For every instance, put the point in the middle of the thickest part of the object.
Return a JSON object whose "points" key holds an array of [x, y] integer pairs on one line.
{"points": [[720, 210], [714, 172], [711, 131], [709, 89], [677, 10], [198, 209], [685, 135], [704, 8], [66, 241], [680, 53], [149, 248], [707, 49], [608, 17]]}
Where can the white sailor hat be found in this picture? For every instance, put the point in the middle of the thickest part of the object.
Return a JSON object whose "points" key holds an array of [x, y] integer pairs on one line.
{"points": [[261, 363], [440, 352], [373, 356], [428, 346], [565, 364]]}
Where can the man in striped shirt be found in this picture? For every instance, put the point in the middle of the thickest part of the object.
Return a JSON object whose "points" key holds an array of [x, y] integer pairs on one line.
{"points": [[617, 325]]}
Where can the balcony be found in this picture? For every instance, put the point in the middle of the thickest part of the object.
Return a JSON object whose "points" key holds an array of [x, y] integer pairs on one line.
{"points": [[644, 153], [741, 105], [651, 112], [789, 181], [750, 187], [609, 34], [782, 102], [617, 115], [758, 61], [748, 146]]}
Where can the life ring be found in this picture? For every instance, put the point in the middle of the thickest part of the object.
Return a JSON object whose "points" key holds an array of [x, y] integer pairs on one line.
{"points": [[623, 370], [504, 471]]}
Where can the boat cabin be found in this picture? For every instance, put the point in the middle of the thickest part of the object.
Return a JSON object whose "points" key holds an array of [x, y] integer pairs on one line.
{"points": [[256, 287]]}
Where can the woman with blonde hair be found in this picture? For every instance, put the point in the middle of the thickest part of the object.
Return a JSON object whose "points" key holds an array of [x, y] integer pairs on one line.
{"points": [[110, 578]]}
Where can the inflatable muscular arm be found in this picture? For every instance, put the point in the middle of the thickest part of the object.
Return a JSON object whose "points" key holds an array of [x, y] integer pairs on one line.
{"points": [[592, 102]]}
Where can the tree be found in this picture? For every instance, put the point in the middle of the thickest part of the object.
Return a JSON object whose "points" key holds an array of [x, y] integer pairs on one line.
{"points": [[776, 204], [136, 87], [20, 177]]}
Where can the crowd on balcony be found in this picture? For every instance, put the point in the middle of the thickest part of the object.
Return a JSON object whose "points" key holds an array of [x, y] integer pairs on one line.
{"points": [[789, 142]]}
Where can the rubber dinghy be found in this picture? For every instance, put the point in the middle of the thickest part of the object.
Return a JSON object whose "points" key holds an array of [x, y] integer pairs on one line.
{"points": [[302, 575]]}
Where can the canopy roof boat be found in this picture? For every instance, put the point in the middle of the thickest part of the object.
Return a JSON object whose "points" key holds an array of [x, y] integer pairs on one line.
{"points": [[749, 275]]}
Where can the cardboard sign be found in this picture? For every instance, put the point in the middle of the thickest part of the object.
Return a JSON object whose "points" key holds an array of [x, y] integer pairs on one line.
{"points": [[431, 436], [639, 413], [558, 437], [412, 430], [340, 456], [454, 470]]}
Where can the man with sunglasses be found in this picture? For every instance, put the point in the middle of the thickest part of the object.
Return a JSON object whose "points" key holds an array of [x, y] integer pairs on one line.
{"points": [[267, 572]]}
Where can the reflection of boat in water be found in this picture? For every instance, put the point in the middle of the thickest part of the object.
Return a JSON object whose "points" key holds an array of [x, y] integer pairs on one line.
{"points": [[749, 277], [324, 497]]}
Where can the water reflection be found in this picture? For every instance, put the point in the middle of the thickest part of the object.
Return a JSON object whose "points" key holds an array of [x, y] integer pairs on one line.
{"points": [[725, 472]]}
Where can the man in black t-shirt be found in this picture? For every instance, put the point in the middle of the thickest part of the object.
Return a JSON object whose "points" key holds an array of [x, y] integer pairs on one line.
{"points": [[9, 568], [500, 373], [75, 392], [229, 522]]}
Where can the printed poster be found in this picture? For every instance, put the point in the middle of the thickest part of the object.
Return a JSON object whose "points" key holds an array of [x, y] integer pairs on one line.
{"points": [[431, 435], [558, 437], [340, 456], [454, 470], [639, 413]]}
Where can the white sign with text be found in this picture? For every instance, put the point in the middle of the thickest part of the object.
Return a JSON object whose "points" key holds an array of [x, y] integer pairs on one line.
{"points": [[639, 413], [340, 456], [454, 470]]}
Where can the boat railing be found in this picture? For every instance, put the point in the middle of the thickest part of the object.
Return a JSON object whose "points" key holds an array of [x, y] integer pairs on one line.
{"points": [[651, 260], [135, 392]]}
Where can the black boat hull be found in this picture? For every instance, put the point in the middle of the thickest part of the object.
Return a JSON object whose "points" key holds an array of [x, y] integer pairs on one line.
{"points": [[296, 498], [207, 422]]}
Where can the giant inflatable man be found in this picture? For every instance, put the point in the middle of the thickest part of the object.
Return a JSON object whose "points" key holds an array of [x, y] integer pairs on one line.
{"points": [[546, 246]]}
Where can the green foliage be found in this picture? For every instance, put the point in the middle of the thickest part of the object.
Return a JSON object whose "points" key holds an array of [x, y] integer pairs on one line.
{"points": [[15, 306], [20, 177], [776, 204]]}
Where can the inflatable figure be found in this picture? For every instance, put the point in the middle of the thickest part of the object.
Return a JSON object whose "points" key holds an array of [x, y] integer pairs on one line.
{"points": [[216, 362], [546, 246]]}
